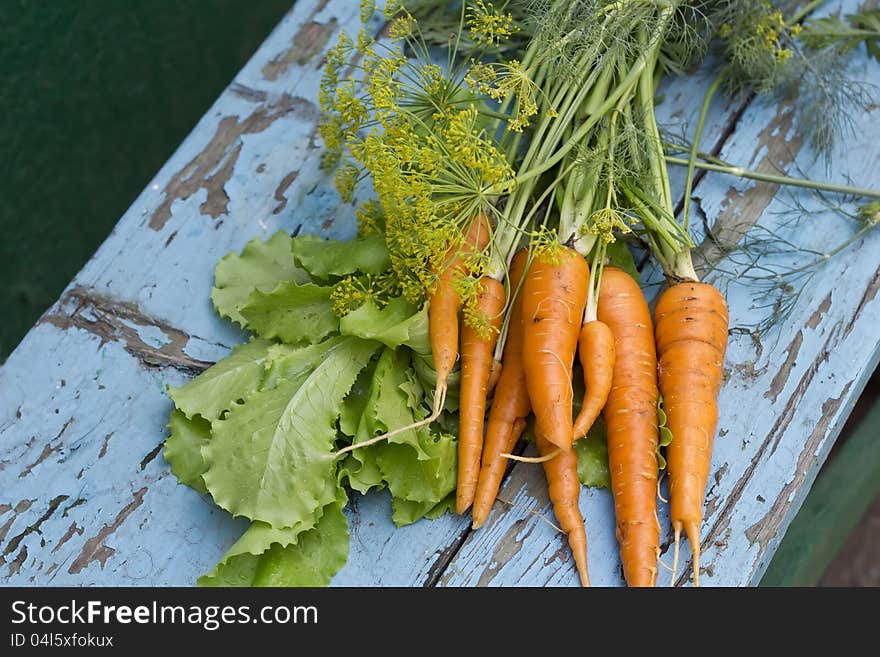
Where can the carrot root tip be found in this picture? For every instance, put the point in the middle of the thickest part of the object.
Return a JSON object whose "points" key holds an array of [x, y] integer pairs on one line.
{"points": [[692, 529], [532, 459], [675, 553]]}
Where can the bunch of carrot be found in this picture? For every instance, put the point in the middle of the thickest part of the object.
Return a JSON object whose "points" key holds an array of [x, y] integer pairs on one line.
{"points": [[575, 126], [531, 309]]}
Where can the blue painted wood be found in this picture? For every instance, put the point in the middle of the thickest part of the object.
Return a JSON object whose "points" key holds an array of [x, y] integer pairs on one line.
{"points": [[86, 498]]}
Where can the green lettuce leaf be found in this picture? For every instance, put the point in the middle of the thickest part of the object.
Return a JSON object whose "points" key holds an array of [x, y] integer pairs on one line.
{"points": [[270, 458], [619, 255], [261, 266], [295, 363], [427, 377], [183, 448], [665, 434], [415, 466], [359, 468], [426, 479], [360, 471], [394, 325], [292, 312], [592, 449], [327, 258], [307, 558], [233, 378], [405, 512], [592, 453]]}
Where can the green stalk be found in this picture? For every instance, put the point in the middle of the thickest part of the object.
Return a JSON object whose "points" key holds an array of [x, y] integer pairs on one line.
{"points": [[692, 156], [777, 179], [803, 12], [598, 264]]}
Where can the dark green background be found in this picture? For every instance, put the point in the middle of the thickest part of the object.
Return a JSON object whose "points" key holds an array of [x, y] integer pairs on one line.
{"points": [[95, 95]]}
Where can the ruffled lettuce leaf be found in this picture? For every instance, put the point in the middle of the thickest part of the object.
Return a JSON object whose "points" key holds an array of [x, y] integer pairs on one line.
{"points": [[261, 266], [270, 458], [325, 259], [415, 465], [398, 323], [268, 557], [183, 448], [291, 312], [405, 512], [592, 453], [233, 378]]}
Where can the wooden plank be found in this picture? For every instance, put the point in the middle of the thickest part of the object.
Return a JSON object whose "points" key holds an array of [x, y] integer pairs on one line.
{"points": [[138, 317], [139, 314], [843, 492]]}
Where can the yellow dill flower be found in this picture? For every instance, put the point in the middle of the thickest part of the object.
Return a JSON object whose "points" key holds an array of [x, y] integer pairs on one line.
{"points": [[365, 43], [604, 221], [330, 130], [392, 7], [507, 79], [347, 295], [346, 180], [368, 8], [469, 288], [486, 25], [433, 79], [402, 27], [338, 55], [783, 55], [352, 110], [546, 246], [370, 218]]}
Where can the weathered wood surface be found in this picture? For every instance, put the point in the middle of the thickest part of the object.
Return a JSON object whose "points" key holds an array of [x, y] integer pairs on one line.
{"points": [[86, 498]]}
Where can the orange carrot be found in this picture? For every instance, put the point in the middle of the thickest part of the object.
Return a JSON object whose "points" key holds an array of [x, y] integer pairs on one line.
{"points": [[444, 301], [510, 405], [631, 418], [565, 488], [477, 348], [596, 354], [691, 340], [554, 297]]}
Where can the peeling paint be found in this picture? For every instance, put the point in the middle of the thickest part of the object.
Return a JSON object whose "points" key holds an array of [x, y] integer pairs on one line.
{"points": [[15, 564], [770, 441], [243, 91], [95, 549], [867, 297], [73, 529], [213, 166], [817, 315], [106, 442], [768, 526], [15, 541], [117, 321], [777, 145], [152, 455], [307, 43], [281, 190], [77, 502], [48, 450], [781, 378]]}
